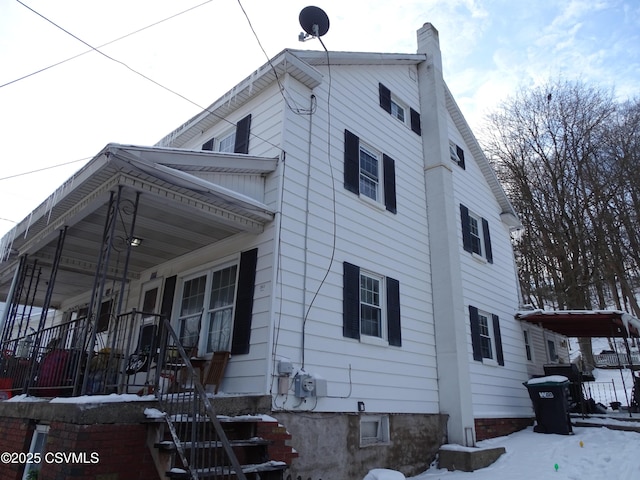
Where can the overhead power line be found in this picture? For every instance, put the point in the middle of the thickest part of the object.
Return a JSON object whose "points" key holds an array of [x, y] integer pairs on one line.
{"points": [[100, 46], [141, 74], [45, 168]]}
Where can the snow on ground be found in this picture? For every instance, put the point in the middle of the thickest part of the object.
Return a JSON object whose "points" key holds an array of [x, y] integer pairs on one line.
{"points": [[592, 453]]}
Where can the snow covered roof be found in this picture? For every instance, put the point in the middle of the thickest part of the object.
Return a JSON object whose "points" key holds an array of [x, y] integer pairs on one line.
{"points": [[584, 323]]}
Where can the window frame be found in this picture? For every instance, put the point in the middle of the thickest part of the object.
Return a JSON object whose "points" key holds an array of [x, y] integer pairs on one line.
{"points": [[40, 432], [364, 174], [552, 350], [487, 338], [386, 173], [203, 316], [481, 239], [456, 153], [528, 346], [396, 107], [226, 142], [381, 423], [391, 318], [493, 327], [380, 307]]}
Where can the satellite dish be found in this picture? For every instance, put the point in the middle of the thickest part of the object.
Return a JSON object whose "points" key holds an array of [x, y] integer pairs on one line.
{"points": [[314, 21]]}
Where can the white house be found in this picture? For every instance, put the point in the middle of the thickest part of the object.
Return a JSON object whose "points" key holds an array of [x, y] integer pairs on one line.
{"points": [[333, 223]]}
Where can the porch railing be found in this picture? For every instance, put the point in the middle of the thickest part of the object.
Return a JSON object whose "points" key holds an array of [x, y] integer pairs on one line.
{"points": [[57, 361], [615, 360]]}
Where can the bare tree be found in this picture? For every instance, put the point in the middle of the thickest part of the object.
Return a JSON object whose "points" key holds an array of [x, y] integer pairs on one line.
{"points": [[568, 155]]}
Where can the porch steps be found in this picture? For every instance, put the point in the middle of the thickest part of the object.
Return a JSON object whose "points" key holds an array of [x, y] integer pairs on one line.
{"points": [[244, 434]]}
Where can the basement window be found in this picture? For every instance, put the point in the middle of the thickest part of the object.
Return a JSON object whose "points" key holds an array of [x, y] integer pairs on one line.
{"points": [[36, 450], [374, 430]]}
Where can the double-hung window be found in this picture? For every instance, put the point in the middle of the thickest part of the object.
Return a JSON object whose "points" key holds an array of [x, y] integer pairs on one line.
{"points": [[476, 238], [371, 305], [206, 310], [216, 306], [396, 108], [234, 141], [457, 154], [227, 142], [486, 340], [368, 172]]}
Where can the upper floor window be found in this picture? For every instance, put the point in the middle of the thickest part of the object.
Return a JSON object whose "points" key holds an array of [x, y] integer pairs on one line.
{"points": [[227, 143], [368, 172], [235, 141], [486, 339], [475, 234], [397, 109], [457, 154], [371, 305], [527, 345]]}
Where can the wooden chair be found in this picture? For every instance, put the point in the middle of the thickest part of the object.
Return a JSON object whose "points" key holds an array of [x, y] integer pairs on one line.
{"points": [[215, 370]]}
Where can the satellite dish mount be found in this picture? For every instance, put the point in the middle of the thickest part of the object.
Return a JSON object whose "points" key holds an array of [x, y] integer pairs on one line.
{"points": [[314, 22]]}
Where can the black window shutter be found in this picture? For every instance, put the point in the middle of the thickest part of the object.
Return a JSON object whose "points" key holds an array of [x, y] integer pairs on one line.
{"points": [[393, 312], [244, 302], [460, 153], [351, 301], [475, 333], [498, 339], [351, 162], [466, 229], [167, 296], [415, 122], [488, 253], [389, 183], [243, 129], [385, 97], [208, 145]]}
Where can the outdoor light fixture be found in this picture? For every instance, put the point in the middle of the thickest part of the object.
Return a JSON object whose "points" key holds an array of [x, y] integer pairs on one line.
{"points": [[135, 242]]}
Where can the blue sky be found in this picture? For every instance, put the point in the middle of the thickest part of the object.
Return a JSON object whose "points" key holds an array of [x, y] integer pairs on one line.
{"points": [[491, 48]]}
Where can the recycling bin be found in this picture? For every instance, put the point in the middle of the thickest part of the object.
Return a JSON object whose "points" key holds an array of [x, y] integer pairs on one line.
{"points": [[551, 404]]}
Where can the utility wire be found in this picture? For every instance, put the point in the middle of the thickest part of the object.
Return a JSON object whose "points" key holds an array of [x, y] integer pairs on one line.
{"points": [[142, 74], [45, 168], [296, 110], [103, 45]]}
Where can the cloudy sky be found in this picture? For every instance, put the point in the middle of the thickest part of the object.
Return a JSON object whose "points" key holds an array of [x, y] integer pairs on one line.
{"points": [[53, 121]]}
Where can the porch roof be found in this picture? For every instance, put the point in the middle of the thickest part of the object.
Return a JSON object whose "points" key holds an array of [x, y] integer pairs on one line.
{"points": [[584, 323], [178, 212]]}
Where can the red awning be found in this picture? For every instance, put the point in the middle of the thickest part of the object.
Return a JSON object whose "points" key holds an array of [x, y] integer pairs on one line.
{"points": [[583, 323]]}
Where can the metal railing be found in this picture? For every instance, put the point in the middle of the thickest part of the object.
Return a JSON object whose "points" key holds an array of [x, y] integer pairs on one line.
{"points": [[201, 443], [57, 361], [601, 392], [615, 360]]}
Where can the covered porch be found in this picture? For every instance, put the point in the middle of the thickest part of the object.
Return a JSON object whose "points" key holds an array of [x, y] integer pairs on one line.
{"points": [[595, 324], [78, 274]]}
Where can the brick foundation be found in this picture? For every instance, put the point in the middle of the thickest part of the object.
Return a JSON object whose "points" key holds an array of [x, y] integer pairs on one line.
{"points": [[499, 427], [93, 452], [278, 450]]}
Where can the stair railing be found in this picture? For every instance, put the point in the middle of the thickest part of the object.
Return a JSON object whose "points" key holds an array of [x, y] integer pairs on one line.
{"points": [[201, 443]]}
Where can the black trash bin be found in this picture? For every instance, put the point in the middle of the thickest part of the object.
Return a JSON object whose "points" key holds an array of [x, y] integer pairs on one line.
{"points": [[550, 397]]}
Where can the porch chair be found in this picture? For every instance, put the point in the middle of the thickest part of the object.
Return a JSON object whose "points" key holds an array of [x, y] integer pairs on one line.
{"points": [[215, 370]]}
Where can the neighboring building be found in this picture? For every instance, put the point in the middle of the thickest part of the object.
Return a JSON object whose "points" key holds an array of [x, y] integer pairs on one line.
{"points": [[333, 223]]}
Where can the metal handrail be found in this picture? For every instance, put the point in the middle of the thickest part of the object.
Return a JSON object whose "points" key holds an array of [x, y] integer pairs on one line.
{"points": [[192, 421]]}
